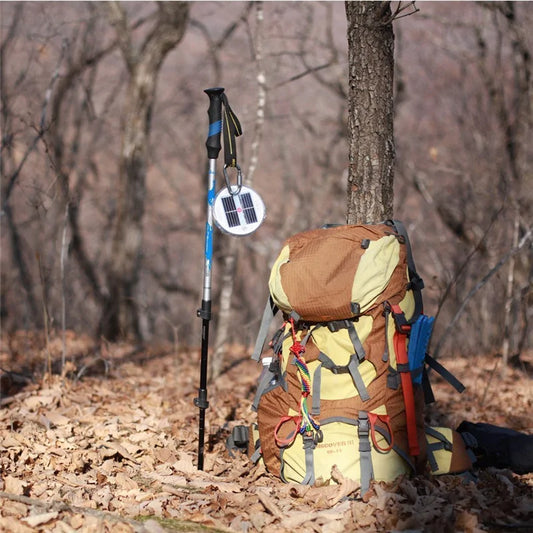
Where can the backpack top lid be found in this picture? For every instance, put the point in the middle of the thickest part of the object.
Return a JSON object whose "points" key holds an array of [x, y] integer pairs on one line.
{"points": [[339, 272]]}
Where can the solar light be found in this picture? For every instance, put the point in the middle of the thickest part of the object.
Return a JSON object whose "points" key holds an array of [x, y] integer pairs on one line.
{"points": [[238, 210]]}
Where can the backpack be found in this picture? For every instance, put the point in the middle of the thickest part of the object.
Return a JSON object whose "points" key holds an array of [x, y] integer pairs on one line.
{"points": [[343, 382]]}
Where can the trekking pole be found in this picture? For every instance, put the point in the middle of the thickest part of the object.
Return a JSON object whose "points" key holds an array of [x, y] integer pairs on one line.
{"points": [[213, 148]]}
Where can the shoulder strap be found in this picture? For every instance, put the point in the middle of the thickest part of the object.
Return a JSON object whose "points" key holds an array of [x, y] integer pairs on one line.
{"points": [[268, 315], [416, 283]]}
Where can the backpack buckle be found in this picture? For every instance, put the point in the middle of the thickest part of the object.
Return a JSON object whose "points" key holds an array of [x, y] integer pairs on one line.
{"points": [[401, 323], [363, 429], [416, 283]]}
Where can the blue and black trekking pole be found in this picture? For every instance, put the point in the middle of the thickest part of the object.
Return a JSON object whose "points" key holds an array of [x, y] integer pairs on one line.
{"points": [[237, 210], [213, 148]]}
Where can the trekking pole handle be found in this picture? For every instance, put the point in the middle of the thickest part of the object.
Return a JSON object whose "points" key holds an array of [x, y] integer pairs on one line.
{"points": [[215, 121]]}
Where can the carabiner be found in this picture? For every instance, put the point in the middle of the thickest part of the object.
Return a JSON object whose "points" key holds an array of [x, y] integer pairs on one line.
{"points": [[239, 180]]}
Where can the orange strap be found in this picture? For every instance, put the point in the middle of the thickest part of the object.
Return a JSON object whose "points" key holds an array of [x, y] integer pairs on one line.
{"points": [[373, 417], [400, 348], [285, 442]]}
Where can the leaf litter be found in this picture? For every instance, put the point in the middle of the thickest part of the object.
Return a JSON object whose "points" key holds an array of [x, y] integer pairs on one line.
{"points": [[115, 450]]}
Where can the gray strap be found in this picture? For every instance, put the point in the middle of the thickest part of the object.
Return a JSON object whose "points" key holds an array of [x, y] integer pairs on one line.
{"points": [[309, 447], [353, 367], [404, 456], [317, 380], [256, 456], [264, 381], [268, 315], [357, 346], [282, 466], [393, 379], [429, 397], [431, 456], [303, 342], [469, 440], [442, 444], [471, 444], [399, 451], [385, 356], [343, 419], [354, 363], [365, 449], [446, 374], [439, 436], [401, 229]]}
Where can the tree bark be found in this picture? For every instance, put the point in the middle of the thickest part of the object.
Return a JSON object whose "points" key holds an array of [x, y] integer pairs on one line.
{"points": [[120, 316], [370, 112]]}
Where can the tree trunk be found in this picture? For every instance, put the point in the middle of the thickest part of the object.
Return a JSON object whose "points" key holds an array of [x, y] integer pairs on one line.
{"points": [[120, 315], [370, 112]]}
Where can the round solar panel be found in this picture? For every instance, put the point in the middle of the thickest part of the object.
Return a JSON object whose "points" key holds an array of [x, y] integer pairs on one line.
{"points": [[238, 210]]}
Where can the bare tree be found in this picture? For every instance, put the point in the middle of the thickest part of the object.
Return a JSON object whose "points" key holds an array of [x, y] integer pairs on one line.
{"points": [[120, 315]]}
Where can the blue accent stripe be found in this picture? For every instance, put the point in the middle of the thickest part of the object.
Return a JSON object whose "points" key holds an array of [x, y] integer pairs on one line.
{"points": [[208, 246], [215, 128]]}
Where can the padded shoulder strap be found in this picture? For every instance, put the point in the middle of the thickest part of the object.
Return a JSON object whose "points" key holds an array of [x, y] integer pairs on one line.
{"points": [[416, 282], [268, 315]]}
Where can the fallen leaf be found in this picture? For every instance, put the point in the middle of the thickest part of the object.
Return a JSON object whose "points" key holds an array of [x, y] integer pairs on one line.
{"points": [[14, 485], [40, 519], [268, 504], [13, 525], [185, 464], [109, 449], [346, 486]]}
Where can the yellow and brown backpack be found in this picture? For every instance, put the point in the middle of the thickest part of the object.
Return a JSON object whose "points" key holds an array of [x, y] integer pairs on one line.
{"points": [[342, 380]]}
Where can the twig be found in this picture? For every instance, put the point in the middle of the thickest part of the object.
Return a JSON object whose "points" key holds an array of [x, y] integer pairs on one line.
{"points": [[48, 362], [465, 263], [399, 8], [308, 70], [63, 300], [489, 381]]}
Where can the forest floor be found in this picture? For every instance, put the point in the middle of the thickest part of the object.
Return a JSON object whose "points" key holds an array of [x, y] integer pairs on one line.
{"points": [[111, 446]]}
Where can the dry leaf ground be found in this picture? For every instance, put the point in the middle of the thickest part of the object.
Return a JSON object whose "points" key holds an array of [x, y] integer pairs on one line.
{"points": [[112, 447]]}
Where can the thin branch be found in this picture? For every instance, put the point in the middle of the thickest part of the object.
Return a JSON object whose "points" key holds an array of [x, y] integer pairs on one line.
{"points": [[40, 132], [397, 12], [216, 46], [309, 70], [62, 260], [480, 284], [475, 249]]}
